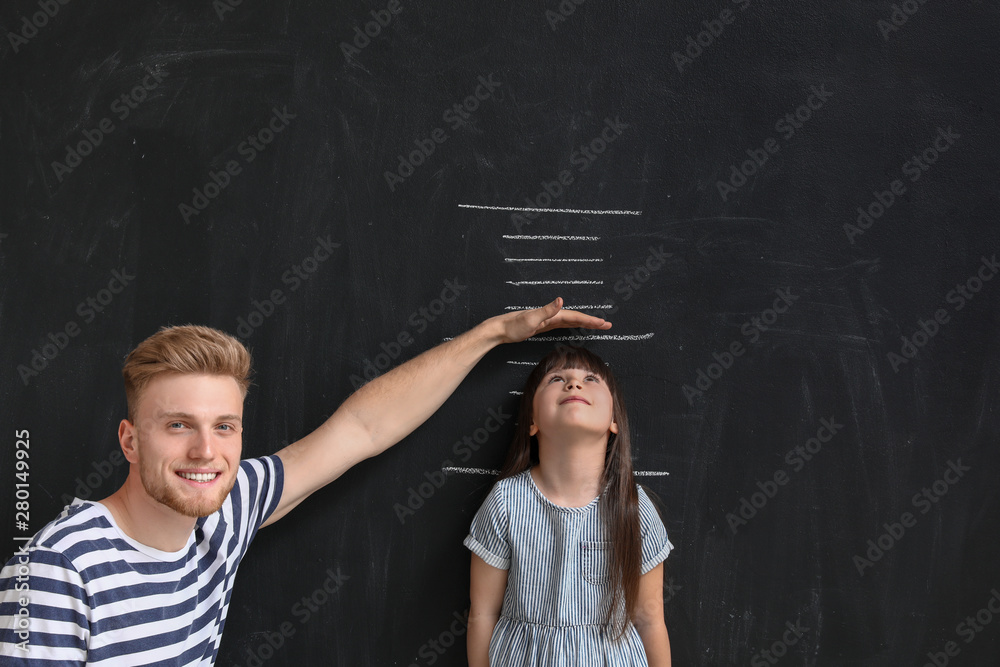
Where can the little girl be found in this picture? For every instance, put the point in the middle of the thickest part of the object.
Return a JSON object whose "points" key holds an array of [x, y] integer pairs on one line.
{"points": [[567, 564]]}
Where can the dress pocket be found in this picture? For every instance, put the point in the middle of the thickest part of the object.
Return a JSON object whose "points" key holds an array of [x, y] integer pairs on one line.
{"points": [[594, 558]]}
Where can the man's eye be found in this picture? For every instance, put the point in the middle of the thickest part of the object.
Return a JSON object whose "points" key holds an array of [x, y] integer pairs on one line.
{"points": [[228, 427], [175, 425]]}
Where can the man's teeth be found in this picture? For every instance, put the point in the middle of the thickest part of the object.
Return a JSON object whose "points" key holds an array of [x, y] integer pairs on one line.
{"points": [[198, 476]]}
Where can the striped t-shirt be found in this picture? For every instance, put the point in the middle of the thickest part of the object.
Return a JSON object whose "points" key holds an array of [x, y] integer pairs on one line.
{"points": [[557, 594], [82, 592]]}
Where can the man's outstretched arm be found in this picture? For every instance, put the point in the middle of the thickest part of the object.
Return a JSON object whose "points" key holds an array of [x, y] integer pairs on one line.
{"points": [[390, 407]]}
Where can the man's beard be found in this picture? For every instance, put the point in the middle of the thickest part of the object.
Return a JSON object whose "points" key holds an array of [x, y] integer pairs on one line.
{"points": [[162, 492]]}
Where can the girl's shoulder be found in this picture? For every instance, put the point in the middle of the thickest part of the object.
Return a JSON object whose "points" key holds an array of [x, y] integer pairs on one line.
{"points": [[650, 508], [514, 483]]}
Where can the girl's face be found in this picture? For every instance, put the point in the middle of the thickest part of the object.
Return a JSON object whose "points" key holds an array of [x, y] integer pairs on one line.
{"points": [[572, 400]]}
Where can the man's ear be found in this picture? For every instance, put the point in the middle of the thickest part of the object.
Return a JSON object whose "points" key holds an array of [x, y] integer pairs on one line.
{"points": [[127, 433]]}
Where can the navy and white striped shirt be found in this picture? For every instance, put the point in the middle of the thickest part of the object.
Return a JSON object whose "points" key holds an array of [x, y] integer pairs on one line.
{"points": [[95, 596], [557, 595]]}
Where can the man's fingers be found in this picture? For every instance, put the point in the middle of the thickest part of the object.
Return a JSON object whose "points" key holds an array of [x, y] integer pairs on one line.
{"points": [[552, 308], [575, 318], [549, 312]]}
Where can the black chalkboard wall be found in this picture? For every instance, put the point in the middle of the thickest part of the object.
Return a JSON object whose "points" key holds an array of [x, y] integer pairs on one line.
{"points": [[787, 208]]}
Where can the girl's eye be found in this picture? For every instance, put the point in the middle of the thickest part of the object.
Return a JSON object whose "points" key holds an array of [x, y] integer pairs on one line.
{"points": [[554, 378], [593, 378]]}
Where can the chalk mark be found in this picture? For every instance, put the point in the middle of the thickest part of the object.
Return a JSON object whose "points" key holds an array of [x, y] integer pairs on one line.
{"points": [[556, 339], [550, 237], [605, 307], [556, 259], [554, 282], [552, 210], [456, 470]]}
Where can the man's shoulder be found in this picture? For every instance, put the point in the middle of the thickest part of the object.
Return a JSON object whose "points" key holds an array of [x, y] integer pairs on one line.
{"points": [[82, 521], [76, 539]]}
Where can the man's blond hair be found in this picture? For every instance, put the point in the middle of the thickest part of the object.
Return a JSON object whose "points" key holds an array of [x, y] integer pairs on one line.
{"points": [[185, 349]]}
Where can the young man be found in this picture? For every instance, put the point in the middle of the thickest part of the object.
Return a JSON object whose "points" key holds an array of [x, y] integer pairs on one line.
{"points": [[145, 575]]}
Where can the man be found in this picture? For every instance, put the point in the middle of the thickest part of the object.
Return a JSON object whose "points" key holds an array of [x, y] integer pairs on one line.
{"points": [[145, 575]]}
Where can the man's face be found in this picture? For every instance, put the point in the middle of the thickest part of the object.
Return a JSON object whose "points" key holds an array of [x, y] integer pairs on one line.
{"points": [[188, 436]]}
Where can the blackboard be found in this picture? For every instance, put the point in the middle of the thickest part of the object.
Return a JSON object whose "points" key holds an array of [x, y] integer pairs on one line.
{"points": [[787, 209]]}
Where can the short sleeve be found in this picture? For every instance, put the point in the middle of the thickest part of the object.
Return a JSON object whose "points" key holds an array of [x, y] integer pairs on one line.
{"points": [[44, 609], [489, 536], [254, 497], [655, 545]]}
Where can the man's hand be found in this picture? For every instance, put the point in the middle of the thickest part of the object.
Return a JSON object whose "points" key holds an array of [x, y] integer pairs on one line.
{"points": [[527, 323]]}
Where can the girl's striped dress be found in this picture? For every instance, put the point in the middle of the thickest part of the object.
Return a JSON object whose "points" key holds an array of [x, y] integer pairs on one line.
{"points": [[557, 594]]}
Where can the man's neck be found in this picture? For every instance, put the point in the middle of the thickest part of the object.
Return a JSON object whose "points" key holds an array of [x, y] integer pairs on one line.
{"points": [[147, 521]]}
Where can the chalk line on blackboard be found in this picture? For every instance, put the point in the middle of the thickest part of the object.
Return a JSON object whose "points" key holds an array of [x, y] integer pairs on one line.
{"points": [[551, 259], [551, 339], [552, 210], [533, 363], [554, 282], [604, 307], [487, 471], [550, 237]]}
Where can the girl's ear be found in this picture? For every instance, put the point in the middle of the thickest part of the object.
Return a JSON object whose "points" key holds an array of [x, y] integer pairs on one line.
{"points": [[532, 430], [614, 427]]}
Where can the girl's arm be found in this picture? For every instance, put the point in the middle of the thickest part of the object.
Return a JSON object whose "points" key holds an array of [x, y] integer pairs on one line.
{"points": [[649, 618], [488, 585]]}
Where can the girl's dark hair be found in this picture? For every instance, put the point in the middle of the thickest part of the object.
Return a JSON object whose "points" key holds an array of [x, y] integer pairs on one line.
{"points": [[620, 500]]}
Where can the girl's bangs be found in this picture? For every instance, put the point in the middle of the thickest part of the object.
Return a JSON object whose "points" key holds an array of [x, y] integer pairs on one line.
{"points": [[574, 357]]}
